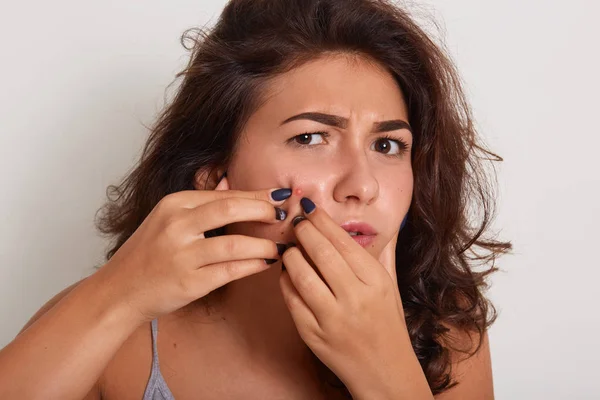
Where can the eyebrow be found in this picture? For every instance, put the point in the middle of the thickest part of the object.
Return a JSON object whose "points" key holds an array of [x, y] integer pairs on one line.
{"points": [[341, 122]]}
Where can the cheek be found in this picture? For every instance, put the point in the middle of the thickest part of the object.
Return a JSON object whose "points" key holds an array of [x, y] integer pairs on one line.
{"points": [[250, 170], [263, 171], [281, 231], [395, 199]]}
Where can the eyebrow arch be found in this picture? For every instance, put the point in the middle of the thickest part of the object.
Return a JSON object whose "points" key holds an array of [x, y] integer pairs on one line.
{"points": [[341, 122]]}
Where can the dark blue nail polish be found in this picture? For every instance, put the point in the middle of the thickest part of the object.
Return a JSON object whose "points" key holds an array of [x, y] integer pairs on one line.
{"points": [[281, 194], [280, 214], [281, 247], [270, 261], [307, 205], [297, 219]]}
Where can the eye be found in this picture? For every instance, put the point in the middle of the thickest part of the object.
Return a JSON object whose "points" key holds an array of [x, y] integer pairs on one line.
{"points": [[306, 139], [389, 146]]}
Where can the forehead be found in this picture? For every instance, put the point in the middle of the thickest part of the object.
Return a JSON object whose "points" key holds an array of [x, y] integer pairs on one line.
{"points": [[352, 87]]}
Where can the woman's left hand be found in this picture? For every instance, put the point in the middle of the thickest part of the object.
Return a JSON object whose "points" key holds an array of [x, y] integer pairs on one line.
{"points": [[352, 318]]}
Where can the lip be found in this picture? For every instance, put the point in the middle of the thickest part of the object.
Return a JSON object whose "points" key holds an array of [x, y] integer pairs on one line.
{"points": [[358, 226], [364, 240]]}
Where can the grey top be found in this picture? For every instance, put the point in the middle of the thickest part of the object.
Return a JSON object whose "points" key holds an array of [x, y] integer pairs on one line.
{"points": [[157, 388]]}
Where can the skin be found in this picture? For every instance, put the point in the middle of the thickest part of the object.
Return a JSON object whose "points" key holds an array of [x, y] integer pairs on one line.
{"points": [[263, 330], [343, 173]]}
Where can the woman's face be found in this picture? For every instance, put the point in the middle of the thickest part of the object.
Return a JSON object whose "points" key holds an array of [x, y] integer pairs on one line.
{"points": [[350, 170]]}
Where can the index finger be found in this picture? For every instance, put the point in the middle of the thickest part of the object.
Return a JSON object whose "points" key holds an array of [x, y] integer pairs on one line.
{"points": [[351, 252], [194, 198]]}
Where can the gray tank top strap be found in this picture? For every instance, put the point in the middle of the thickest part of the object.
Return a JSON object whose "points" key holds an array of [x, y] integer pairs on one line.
{"points": [[157, 388]]}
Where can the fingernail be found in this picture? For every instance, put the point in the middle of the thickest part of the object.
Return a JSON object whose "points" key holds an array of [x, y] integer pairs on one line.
{"points": [[281, 247], [297, 219], [307, 205], [270, 260], [281, 194], [280, 214]]}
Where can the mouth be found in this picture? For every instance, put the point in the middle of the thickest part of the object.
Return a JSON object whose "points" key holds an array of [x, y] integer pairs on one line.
{"points": [[361, 232], [357, 228]]}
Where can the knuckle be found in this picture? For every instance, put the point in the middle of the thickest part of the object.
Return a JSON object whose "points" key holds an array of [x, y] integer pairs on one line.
{"points": [[344, 247], [306, 283], [318, 337], [170, 229], [229, 270], [185, 285], [324, 251], [230, 244], [167, 202], [261, 195], [229, 206]]}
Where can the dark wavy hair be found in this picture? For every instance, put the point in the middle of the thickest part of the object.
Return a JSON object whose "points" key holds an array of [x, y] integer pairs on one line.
{"points": [[442, 246]]}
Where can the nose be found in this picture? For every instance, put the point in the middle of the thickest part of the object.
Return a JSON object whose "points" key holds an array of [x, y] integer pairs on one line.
{"points": [[356, 182]]}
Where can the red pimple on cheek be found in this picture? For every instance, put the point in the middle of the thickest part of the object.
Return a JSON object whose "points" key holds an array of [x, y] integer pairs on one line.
{"points": [[298, 192]]}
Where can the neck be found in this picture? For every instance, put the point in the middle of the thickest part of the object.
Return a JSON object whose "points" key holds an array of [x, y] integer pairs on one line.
{"points": [[252, 320], [251, 317], [254, 307]]}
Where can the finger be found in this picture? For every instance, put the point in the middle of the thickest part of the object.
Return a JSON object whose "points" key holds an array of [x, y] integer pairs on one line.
{"points": [[229, 210], [357, 258], [309, 261], [313, 290], [387, 258], [303, 317], [326, 258], [195, 198], [230, 248], [213, 276]]}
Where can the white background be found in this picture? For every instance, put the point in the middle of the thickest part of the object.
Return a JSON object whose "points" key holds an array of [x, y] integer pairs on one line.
{"points": [[78, 81]]}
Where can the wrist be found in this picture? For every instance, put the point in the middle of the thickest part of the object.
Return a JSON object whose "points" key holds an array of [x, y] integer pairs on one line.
{"points": [[109, 302], [400, 380]]}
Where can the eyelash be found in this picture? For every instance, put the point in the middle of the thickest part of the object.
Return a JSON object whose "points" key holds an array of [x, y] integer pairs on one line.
{"points": [[402, 145]]}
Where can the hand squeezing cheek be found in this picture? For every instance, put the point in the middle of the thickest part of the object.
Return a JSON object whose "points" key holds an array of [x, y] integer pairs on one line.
{"points": [[346, 306], [281, 232]]}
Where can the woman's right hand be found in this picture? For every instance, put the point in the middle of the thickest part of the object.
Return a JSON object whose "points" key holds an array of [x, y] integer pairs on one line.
{"points": [[167, 263]]}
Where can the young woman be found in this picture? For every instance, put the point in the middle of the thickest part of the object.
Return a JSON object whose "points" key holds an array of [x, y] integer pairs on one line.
{"points": [[299, 226]]}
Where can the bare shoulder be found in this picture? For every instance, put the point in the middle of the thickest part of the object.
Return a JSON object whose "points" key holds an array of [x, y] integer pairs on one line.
{"points": [[472, 369]]}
